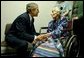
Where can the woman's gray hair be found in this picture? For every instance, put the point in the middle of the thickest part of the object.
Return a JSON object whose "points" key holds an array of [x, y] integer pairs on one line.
{"points": [[30, 6], [57, 9]]}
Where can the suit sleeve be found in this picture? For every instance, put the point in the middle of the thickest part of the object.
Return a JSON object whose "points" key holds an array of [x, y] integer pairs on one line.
{"points": [[21, 30]]}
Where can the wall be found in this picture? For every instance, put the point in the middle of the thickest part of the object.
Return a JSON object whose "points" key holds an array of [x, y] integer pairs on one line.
{"points": [[11, 9]]}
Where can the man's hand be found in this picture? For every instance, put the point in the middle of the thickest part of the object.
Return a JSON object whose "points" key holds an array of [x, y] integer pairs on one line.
{"points": [[41, 37]]}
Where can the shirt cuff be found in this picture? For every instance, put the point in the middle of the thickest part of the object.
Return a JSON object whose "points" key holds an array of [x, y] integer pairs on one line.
{"points": [[34, 41], [35, 37]]}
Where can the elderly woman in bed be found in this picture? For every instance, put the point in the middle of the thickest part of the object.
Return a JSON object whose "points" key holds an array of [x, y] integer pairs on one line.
{"points": [[55, 31]]}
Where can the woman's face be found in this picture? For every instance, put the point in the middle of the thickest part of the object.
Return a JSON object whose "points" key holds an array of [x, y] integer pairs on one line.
{"points": [[55, 14]]}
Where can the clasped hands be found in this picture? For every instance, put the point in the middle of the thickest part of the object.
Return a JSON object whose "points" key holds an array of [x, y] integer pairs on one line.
{"points": [[42, 37]]}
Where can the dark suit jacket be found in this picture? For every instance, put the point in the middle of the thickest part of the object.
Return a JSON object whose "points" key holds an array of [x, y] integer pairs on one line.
{"points": [[23, 28]]}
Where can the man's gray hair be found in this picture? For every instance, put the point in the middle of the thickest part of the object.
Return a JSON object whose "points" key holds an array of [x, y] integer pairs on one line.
{"points": [[30, 6]]}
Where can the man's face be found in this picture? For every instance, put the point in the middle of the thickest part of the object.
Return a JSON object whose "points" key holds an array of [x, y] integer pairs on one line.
{"points": [[35, 11]]}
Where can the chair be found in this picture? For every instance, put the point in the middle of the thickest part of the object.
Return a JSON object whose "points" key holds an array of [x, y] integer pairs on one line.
{"points": [[72, 47], [5, 49], [72, 44], [69, 29], [42, 28]]}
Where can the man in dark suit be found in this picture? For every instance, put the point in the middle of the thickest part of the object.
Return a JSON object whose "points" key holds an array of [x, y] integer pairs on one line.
{"points": [[22, 30]]}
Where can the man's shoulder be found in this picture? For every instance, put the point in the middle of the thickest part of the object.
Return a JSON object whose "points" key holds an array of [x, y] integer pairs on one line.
{"points": [[24, 15], [21, 17]]}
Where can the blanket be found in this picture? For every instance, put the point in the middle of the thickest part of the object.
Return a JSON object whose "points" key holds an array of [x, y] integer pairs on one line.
{"points": [[50, 48]]}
